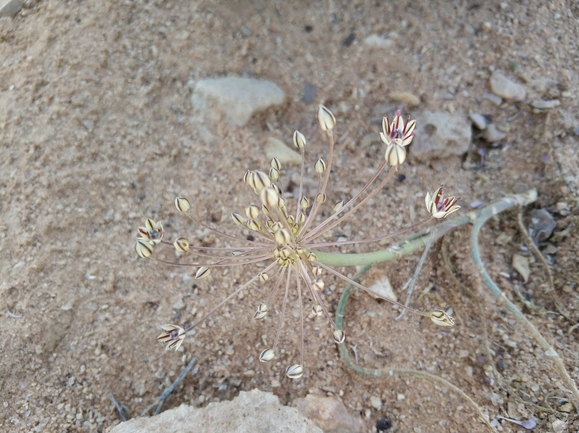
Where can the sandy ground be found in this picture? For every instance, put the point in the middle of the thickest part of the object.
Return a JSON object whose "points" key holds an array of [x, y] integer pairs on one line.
{"points": [[97, 134]]}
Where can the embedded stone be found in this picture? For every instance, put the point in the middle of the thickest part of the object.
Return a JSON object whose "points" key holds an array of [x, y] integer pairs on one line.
{"points": [[440, 135], [250, 412], [235, 98], [506, 88], [329, 414]]}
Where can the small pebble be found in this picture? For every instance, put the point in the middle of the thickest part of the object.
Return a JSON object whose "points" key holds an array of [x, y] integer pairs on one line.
{"points": [[559, 426], [494, 99], [545, 105], [492, 134], [375, 402], [479, 120], [506, 88]]}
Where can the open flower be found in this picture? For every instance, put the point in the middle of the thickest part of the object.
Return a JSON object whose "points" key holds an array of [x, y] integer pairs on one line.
{"points": [[172, 335], [286, 233], [438, 206], [397, 135], [152, 232]]}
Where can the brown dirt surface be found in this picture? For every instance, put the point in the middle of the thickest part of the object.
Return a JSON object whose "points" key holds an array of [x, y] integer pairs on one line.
{"points": [[97, 134]]}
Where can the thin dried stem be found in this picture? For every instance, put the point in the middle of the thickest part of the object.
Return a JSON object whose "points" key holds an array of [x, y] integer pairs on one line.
{"points": [[320, 229], [322, 190], [244, 286]]}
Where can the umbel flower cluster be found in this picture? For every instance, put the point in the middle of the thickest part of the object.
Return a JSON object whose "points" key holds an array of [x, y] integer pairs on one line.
{"points": [[286, 235]]}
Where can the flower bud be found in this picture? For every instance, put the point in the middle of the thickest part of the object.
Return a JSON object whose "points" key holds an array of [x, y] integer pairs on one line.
{"points": [[181, 245], [320, 166], [338, 207], [144, 248], [269, 197], [440, 318], [294, 371], [274, 163], [299, 140], [339, 336], [281, 237], [317, 310], [238, 219], [266, 355], [182, 204], [202, 272], [326, 119]]}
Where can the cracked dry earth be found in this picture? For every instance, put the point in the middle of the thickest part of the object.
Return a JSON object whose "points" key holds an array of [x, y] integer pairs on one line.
{"points": [[97, 133]]}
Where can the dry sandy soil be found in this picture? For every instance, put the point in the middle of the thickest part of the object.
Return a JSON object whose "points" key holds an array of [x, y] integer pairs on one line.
{"points": [[97, 134]]}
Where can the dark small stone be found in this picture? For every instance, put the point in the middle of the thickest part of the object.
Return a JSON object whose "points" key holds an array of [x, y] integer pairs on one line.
{"points": [[309, 93], [501, 364], [349, 40], [401, 177], [250, 238], [308, 28], [383, 424]]}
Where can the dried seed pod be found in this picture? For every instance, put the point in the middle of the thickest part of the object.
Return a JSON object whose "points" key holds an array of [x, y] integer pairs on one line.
{"points": [[266, 355], [144, 248], [317, 271], [320, 166], [311, 257], [274, 163], [304, 203], [318, 285], [294, 371], [326, 119], [282, 237], [317, 310], [263, 277], [301, 218], [265, 211], [238, 219], [440, 318], [202, 272], [339, 336], [260, 180], [261, 311], [273, 174], [181, 245], [299, 140], [182, 204], [269, 197], [338, 206]]}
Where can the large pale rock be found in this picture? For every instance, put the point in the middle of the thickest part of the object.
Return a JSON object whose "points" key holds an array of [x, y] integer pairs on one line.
{"points": [[506, 88], [9, 8], [441, 135], [278, 149], [329, 414], [236, 98], [250, 412]]}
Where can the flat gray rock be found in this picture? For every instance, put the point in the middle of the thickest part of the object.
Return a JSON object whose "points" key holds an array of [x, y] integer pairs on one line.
{"points": [[506, 88], [441, 135], [250, 412], [236, 98]]}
